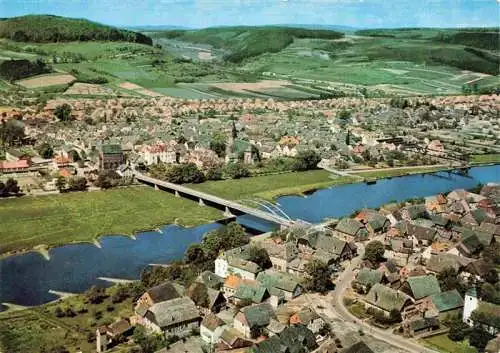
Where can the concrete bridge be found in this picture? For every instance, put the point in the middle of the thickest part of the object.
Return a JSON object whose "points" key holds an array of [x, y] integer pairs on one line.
{"points": [[229, 207]]}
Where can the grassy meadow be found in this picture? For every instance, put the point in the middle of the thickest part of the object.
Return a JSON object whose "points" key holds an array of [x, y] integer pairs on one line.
{"points": [[40, 330], [76, 217]]}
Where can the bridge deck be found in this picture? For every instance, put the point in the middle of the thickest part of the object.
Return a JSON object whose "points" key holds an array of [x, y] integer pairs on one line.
{"points": [[216, 200]]}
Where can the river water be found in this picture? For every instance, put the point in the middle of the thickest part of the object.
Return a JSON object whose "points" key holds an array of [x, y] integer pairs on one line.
{"points": [[27, 278]]}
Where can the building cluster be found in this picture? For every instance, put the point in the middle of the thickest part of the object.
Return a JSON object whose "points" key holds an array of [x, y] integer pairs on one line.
{"points": [[422, 241]]}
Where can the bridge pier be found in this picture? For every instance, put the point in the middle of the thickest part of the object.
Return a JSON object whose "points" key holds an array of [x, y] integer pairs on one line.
{"points": [[177, 194], [201, 202], [156, 187], [227, 213]]}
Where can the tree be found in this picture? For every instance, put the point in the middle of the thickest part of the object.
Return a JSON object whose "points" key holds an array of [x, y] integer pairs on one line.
{"points": [[260, 257], [199, 294], [374, 251], [344, 114], [11, 132], [46, 151], [318, 276], [448, 279], [491, 293], [492, 253], [218, 144], [184, 173], [107, 179], [306, 160], [227, 237], [348, 138], [77, 184], [95, 295], [61, 183], [9, 188], [236, 170], [194, 254], [458, 330], [63, 112], [148, 343], [214, 173], [479, 338], [121, 293]]}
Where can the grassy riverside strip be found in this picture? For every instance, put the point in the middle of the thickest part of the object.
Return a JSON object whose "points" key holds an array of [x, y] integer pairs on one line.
{"points": [[389, 173], [49, 221], [82, 217], [485, 158]]}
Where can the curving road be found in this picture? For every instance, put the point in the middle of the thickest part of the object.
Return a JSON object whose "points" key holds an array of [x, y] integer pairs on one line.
{"points": [[344, 282]]}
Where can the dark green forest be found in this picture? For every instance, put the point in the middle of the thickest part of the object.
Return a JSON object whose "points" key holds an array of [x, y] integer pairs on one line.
{"points": [[53, 29]]}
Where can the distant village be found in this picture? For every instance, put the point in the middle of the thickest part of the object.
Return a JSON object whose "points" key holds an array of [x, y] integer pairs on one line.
{"points": [[426, 267]]}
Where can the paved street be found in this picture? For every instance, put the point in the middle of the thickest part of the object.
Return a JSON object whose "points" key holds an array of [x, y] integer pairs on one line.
{"points": [[343, 283]]}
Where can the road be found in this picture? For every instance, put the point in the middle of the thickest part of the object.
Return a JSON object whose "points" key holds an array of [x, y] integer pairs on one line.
{"points": [[343, 283]]}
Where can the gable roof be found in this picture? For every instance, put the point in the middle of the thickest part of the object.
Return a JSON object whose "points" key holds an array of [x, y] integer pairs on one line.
{"points": [[111, 149], [242, 264], [439, 262], [279, 280], [255, 293], [210, 279], [258, 315], [368, 277], [293, 339], [349, 226], [165, 291], [423, 286], [386, 298], [173, 311], [447, 301], [212, 321]]}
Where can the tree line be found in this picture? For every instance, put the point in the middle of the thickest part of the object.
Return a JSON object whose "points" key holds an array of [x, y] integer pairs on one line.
{"points": [[13, 70]]}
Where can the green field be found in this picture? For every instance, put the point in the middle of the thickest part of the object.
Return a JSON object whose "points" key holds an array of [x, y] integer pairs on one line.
{"points": [[445, 345], [485, 158], [40, 330], [75, 217], [271, 186]]}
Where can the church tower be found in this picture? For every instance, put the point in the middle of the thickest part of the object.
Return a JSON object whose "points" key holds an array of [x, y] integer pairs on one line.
{"points": [[470, 304]]}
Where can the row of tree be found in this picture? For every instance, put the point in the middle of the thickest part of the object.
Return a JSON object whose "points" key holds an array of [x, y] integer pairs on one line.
{"points": [[9, 188]]}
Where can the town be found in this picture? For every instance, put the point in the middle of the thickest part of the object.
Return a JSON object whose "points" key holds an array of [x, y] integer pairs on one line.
{"points": [[249, 176]]}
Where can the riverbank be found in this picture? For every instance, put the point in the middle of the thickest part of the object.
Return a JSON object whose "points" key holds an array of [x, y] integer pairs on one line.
{"points": [[48, 221], [40, 223]]}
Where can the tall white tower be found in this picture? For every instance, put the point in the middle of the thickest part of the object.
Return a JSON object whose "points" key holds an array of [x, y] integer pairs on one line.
{"points": [[471, 303]]}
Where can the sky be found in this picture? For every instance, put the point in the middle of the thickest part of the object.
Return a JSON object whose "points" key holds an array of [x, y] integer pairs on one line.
{"points": [[210, 13]]}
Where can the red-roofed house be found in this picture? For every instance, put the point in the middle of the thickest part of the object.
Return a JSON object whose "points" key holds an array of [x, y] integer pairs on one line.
{"points": [[21, 165]]}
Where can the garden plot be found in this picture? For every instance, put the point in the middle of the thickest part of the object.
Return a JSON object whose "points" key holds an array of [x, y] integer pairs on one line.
{"points": [[88, 89]]}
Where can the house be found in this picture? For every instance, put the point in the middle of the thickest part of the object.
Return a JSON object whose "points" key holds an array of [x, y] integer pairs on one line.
{"points": [[288, 340], [419, 234], [109, 335], [215, 300], [236, 261], [211, 328], [175, 317], [367, 278], [310, 318], [435, 148], [446, 303], [412, 212], [160, 153], [469, 246], [439, 262], [280, 253], [386, 299], [157, 294], [251, 320], [419, 287], [419, 325], [20, 166], [327, 248], [231, 339], [286, 283], [373, 221], [351, 229], [210, 280], [231, 283], [110, 157], [250, 293]]}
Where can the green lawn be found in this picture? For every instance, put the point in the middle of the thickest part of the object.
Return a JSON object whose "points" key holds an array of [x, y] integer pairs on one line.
{"points": [[32, 330], [486, 158], [271, 186], [378, 174], [59, 219], [445, 345]]}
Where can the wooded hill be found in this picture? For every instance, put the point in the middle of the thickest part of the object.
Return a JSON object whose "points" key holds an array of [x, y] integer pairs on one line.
{"points": [[247, 42], [48, 28]]}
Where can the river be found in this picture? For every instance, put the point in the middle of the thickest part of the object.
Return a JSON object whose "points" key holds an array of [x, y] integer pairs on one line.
{"points": [[26, 279]]}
